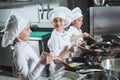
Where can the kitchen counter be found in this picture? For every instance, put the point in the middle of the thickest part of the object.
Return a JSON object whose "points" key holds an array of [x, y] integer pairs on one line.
{"points": [[39, 35], [40, 38]]}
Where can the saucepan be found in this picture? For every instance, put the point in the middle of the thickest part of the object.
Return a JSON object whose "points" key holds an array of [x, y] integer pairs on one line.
{"points": [[111, 64]]}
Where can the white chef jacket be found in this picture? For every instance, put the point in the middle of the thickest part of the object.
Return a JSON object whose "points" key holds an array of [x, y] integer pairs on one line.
{"points": [[74, 31], [57, 44], [27, 62]]}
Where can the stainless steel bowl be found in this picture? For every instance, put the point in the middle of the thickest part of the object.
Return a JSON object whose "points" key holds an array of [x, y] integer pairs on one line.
{"points": [[111, 64]]}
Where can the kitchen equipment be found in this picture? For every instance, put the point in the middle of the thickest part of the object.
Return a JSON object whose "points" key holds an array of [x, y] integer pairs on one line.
{"points": [[111, 64], [99, 2], [76, 63], [42, 11], [89, 70], [105, 44], [92, 38], [98, 76], [79, 60], [104, 21], [113, 2], [90, 51], [63, 62], [66, 75]]}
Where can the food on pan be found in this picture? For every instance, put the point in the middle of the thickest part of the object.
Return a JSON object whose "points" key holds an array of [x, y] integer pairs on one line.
{"points": [[74, 64]]}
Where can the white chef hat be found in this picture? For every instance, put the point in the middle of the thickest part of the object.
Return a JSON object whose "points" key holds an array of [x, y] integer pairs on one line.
{"points": [[13, 27], [62, 12], [76, 13]]}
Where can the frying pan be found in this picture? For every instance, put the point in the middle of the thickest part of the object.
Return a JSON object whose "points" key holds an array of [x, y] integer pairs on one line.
{"points": [[76, 63], [111, 64], [79, 60], [90, 51], [90, 40], [105, 44]]}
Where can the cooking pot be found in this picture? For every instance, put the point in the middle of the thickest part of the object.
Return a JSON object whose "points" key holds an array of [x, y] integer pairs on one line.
{"points": [[111, 64]]}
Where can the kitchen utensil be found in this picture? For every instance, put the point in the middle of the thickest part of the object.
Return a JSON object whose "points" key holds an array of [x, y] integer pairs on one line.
{"points": [[82, 60], [42, 12], [42, 46], [111, 64], [103, 43], [66, 75], [113, 2], [89, 70], [48, 7], [98, 75], [63, 61], [71, 66], [91, 37], [77, 63], [99, 2], [90, 40], [90, 51]]}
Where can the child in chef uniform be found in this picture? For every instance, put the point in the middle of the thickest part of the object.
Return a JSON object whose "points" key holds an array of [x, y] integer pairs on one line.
{"points": [[75, 29], [17, 33], [59, 43]]}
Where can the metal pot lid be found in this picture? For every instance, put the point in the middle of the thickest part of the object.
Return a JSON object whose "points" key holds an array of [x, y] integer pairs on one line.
{"points": [[111, 64]]}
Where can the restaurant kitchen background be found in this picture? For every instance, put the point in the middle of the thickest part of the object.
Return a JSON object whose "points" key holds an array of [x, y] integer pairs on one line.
{"points": [[36, 11], [99, 20]]}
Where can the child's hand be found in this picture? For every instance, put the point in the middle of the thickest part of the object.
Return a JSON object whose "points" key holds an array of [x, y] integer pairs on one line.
{"points": [[85, 34], [46, 58], [83, 43], [73, 48]]}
